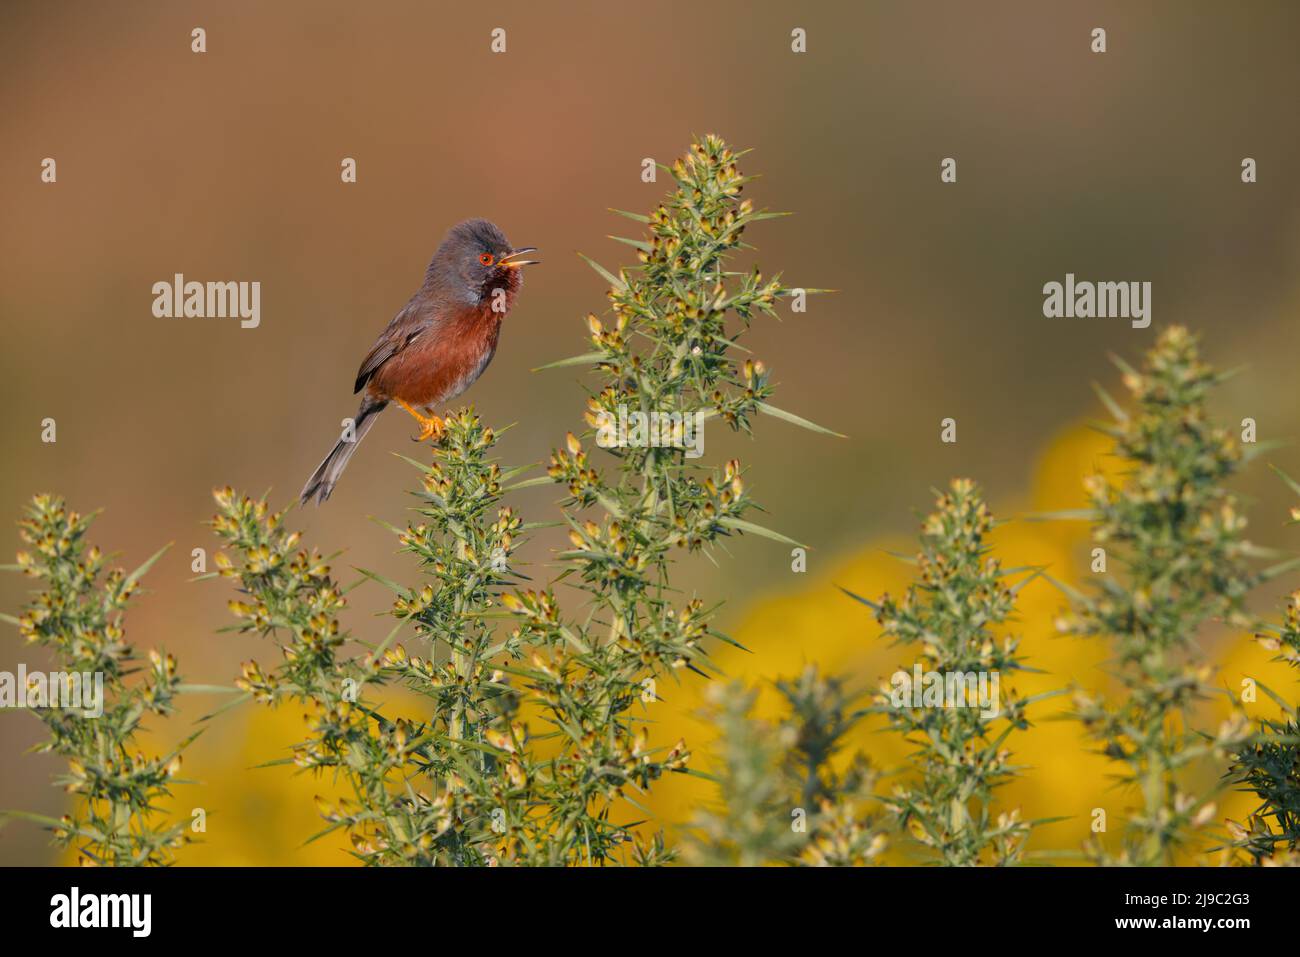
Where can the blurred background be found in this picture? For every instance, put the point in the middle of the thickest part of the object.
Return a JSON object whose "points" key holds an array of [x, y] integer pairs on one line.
{"points": [[225, 166]]}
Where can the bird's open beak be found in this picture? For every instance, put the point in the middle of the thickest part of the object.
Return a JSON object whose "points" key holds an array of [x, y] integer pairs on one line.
{"points": [[512, 260]]}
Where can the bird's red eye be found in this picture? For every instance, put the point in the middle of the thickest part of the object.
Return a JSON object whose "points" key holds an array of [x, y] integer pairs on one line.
{"points": [[487, 259]]}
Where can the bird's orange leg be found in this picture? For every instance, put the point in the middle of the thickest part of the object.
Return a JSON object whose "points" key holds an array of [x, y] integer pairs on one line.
{"points": [[430, 425]]}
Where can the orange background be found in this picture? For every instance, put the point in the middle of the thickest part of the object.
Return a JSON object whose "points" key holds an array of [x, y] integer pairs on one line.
{"points": [[225, 166]]}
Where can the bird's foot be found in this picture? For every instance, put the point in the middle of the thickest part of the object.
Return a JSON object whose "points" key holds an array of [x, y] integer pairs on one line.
{"points": [[431, 426]]}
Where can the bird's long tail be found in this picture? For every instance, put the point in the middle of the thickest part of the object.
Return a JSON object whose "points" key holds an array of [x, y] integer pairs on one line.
{"points": [[326, 476]]}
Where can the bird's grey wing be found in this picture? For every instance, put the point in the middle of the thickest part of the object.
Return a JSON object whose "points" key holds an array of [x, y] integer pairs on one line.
{"points": [[401, 331]]}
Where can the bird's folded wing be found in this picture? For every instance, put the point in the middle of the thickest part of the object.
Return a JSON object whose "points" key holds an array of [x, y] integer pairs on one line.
{"points": [[404, 328]]}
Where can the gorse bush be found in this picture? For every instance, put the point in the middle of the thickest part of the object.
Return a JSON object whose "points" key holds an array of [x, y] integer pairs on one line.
{"points": [[290, 596], [751, 825], [1269, 763], [949, 618], [1176, 535], [78, 615], [669, 350], [780, 798]]}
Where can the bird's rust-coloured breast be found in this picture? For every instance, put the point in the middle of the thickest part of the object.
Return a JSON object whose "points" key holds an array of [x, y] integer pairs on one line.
{"points": [[440, 363]]}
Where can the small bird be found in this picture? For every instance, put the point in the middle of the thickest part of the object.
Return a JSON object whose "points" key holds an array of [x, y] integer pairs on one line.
{"points": [[438, 344]]}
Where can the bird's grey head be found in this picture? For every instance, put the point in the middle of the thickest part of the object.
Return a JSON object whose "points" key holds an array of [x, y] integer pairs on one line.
{"points": [[475, 258]]}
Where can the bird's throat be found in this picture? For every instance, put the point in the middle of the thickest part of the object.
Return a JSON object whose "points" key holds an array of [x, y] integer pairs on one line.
{"points": [[499, 291]]}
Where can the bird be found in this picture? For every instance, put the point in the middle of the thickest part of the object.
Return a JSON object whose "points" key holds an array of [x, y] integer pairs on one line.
{"points": [[438, 344]]}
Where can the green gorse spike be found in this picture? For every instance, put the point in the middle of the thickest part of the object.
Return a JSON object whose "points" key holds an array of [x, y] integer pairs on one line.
{"points": [[1176, 538], [79, 616], [781, 799], [949, 618]]}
